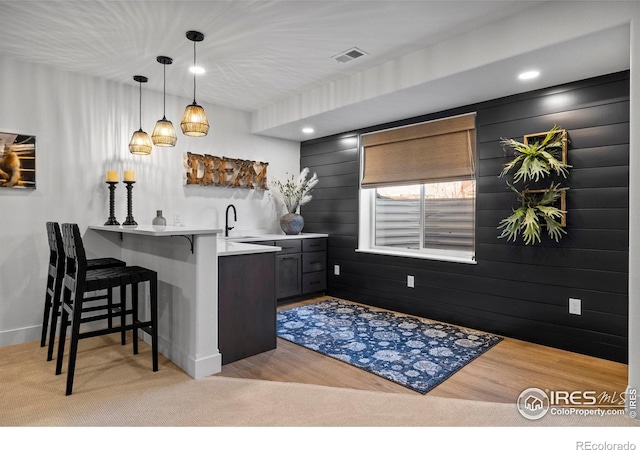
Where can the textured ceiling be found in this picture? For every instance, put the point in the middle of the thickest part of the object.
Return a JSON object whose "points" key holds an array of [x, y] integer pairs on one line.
{"points": [[255, 53]]}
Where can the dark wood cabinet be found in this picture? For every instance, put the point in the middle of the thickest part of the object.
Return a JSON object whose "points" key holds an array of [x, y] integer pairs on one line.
{"points": [[246, 305], [314, 265], [288, 276], [288, 268], [301, 267]]}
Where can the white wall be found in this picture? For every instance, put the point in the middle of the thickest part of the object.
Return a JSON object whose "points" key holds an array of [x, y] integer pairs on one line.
{"points": [[82, 127]]}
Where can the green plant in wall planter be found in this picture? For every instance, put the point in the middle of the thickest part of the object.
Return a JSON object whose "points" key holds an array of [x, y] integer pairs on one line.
{"points": [[537, 210], [537, 158], [540, 156]]}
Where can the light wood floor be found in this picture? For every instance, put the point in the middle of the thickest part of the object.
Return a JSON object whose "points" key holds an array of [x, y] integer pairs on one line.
{"points": [[499, 375]]}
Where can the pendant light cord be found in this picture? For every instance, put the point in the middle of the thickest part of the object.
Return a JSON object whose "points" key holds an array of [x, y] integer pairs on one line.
{"points": [[140, 97], [194, 72], [164, 91]]}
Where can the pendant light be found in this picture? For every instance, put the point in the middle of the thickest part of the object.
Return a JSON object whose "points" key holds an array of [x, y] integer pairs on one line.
{"points": [[163, 134], [194, 120], [140, 142]]}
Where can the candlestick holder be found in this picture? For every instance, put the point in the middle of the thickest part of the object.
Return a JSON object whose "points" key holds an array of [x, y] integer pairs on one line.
{"points": [[129, 220], [112, 203]]}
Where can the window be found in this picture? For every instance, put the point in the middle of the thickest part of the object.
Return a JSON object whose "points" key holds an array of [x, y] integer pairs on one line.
{"points": [[426, 210]]}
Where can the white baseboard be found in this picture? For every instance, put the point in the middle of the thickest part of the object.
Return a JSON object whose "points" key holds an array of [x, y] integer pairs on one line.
{"points": [[20, 335]]}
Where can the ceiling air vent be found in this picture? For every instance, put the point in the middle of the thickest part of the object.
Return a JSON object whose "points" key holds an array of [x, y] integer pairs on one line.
{"points": [[349, 55]]}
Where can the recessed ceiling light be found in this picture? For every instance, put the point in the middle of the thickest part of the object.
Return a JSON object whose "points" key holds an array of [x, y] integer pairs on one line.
{"points": [[528, 75], [308, 130], [196, 70]]}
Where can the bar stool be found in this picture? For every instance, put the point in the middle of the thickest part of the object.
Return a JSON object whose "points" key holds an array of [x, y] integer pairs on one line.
{"points": [[78, 281], [54, 284]]}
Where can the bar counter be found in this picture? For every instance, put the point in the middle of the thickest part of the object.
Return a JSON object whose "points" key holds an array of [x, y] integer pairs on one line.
{"points": [[186, 260]]}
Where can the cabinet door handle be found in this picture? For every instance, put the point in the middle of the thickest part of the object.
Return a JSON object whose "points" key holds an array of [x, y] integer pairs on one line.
{"points": [[289, 257], [314, 262], [315, 282]]}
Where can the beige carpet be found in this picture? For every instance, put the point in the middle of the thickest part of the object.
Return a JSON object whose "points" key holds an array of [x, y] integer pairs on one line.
{"points": [[114, 388]]}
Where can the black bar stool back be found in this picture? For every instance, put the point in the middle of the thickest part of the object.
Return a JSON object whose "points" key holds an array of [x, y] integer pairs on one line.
{"points": [[55, 277], [78, 281]]}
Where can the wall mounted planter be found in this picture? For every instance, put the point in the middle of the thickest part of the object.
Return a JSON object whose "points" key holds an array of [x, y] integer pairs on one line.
{"points": [[542, 161]]}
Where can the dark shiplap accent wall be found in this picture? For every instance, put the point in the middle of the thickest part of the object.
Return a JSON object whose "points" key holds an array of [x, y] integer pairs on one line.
{"points": [[514, 290]]}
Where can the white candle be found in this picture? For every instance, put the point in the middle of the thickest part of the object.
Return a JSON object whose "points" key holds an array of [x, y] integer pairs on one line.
{"points": [[112, 176], [129, 175]]}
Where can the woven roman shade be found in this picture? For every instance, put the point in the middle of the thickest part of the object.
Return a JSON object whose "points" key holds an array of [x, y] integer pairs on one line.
{"points": [[429, 152]]}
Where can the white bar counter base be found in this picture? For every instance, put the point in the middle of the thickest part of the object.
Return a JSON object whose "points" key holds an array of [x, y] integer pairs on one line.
{"points": [[186, 261]]}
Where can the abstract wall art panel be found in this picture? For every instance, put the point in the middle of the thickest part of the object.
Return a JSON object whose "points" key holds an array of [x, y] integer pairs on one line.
{"points": [[207, 170]]}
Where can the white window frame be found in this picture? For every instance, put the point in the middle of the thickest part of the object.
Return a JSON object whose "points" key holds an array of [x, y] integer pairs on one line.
{"points": [[366, 237]]}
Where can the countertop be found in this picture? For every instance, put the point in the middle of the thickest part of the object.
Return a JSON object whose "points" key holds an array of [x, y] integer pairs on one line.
{"points": [[238, 245], [273, 237], [229, 248], [150, 230]]}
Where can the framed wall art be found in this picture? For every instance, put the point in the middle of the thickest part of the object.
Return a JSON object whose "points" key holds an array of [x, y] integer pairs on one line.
{"points": [[17, 160]]}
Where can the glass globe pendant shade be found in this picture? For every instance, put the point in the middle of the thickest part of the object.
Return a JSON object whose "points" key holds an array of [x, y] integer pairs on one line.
{"points": [[140, 143], [164, 135], [194, 121]]}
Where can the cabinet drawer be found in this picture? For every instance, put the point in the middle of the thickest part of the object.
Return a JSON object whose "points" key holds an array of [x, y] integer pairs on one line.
{"points": [[314, 282], [314, 261], [289, 246], [314, 245]]}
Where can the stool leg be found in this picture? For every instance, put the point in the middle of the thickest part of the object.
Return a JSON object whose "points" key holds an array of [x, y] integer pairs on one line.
{"points": [[134, 316], [123, 314], [110, 307], [54, 324], [45, 319], [153, 295], [64, 322], [75, 337]]}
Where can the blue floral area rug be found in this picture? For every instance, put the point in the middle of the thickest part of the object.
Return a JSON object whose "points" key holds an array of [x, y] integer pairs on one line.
{"points": [[416, 353]]}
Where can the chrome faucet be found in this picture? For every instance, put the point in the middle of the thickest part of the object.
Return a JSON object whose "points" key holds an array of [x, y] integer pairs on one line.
{"points": [[226, 218]]}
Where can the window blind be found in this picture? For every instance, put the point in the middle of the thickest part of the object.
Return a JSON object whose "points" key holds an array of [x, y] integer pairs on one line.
{"points": [[428, 152]]}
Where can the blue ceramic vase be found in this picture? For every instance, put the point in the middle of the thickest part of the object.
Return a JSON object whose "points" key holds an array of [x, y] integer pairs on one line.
{"points": [[291, 223]]}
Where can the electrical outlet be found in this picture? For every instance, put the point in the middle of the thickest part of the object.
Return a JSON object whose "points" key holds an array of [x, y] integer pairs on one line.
{"points": [[336, 269], [575, 306], [176, 218], [410, 281]]}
